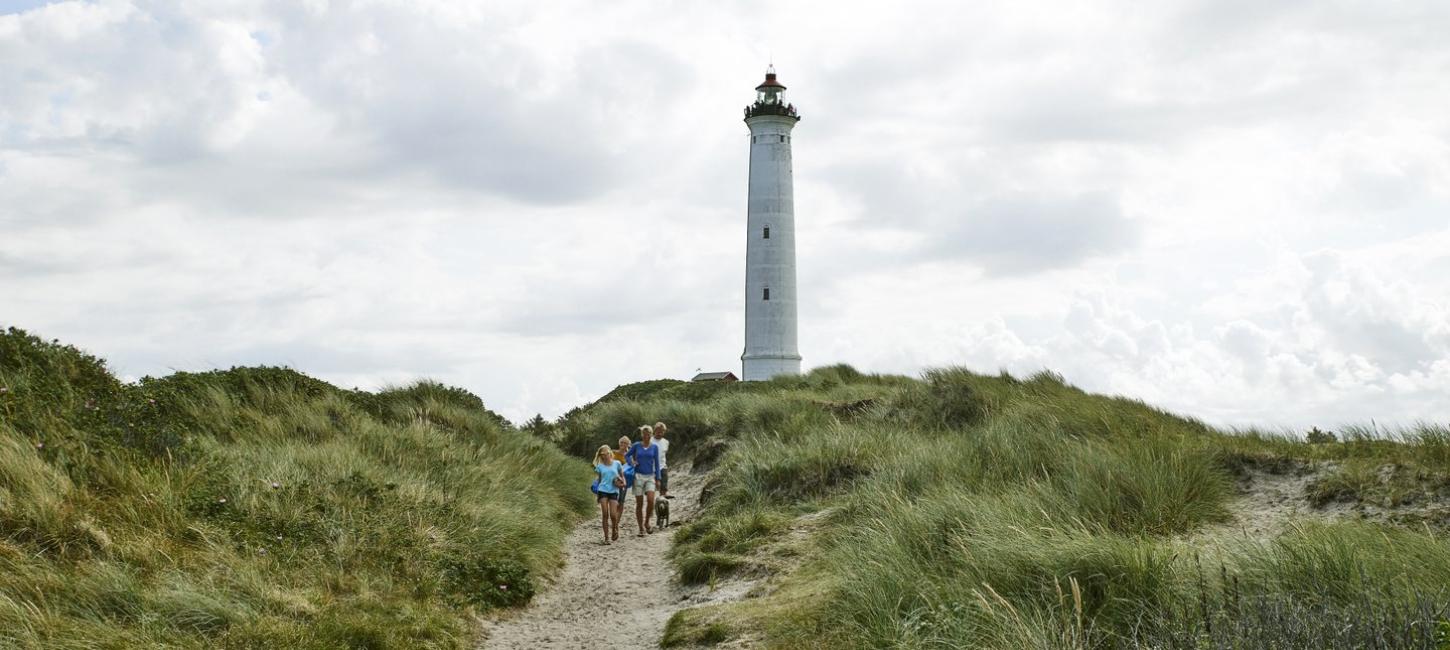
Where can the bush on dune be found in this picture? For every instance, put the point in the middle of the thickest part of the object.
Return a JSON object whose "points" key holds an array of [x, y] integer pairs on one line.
{"points": [[259, 507]]}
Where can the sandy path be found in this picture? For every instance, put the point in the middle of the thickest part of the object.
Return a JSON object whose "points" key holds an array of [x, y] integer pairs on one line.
{"points": [[569, 614]]}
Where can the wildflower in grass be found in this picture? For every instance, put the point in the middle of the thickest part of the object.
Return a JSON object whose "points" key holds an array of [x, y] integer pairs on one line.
{"points": [[276, 485], [40, 445], [150, 401], [261, 551], [4, 389], [222, 500], [503, 587]]}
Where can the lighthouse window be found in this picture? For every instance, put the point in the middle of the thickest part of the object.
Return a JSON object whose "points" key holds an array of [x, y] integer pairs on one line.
{"points": [[767, 293], [767, 232], [782, 138]]}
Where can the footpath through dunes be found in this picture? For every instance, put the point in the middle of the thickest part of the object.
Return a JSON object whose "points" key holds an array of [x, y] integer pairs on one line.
{"points": [[618, 596]]}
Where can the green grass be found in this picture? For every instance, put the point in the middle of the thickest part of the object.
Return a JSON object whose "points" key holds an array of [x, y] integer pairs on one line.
{"points": [[258, 507], [689, 628], [966, 510]]}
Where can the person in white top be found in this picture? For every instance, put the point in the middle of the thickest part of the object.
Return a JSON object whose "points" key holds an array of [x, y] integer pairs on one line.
{"points": [[664, 445]]}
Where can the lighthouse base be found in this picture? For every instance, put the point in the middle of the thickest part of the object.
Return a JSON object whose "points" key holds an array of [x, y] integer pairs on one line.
{"points": [[763, 368]]}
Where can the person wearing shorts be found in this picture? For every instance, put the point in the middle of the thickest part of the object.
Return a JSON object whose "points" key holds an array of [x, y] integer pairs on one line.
{"points": [[606, 471], [644, 484], [644, 456]]}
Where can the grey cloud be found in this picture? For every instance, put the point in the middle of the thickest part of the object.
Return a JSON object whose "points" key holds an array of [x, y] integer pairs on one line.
{"points": [[14, 265], [113, 78], [338, 357], [170, 94], [1226, 23], [1218, 25], [635, 291], [1398, 195], [578, 312], [887, 189], [1364, 316], [1245, 340], [1005, 234], [1177, 69], [1162, 110], [1027, 234], [493, 118]]}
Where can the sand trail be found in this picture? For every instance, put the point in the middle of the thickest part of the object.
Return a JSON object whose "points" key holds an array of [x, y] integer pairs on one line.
{"points": [[618, 596]]}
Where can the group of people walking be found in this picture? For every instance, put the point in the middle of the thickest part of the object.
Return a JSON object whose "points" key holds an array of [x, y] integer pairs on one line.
{"points": [[640, 468]]}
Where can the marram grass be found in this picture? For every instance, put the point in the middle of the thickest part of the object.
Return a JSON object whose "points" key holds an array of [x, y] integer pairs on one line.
{"points": [[973, 511], [258, 507]]}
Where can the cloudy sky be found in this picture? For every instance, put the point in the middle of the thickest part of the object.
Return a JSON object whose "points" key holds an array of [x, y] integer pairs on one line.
{"points": [[1238, 209]]}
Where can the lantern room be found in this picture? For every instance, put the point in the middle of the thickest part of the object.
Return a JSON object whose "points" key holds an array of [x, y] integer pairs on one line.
{"points": [[770, 98]]}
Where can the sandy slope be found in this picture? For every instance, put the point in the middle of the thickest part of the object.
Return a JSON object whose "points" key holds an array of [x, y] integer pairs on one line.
{"points": [[618, 596]]}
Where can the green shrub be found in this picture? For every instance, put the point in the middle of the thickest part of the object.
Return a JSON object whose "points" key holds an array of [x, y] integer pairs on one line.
{"points": [[638, 391], [712, 548], [1156, 486], [836, 375], [603, 424], [1349, 561], [690, 425], [701, 567], [776, 470], [686, 629], [488, 581], [955, 398]]}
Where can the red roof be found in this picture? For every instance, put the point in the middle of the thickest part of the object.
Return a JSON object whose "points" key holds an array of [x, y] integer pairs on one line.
{"points": [[770, 82]]}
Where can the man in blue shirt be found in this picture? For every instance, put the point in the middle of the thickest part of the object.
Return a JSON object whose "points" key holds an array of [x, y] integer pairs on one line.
{"points": [[644, 456]]}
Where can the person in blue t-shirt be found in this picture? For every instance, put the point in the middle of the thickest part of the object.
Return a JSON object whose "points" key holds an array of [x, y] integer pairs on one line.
{"points": [[644, 457], [606, 471]]}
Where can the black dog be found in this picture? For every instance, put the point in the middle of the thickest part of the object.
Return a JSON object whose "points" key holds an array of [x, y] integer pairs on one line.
{"points": [[662, 514]]}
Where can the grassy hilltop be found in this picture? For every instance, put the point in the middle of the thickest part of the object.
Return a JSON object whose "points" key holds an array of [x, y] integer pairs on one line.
{"points": [[964, 510], [261, 508], [258, 507]]}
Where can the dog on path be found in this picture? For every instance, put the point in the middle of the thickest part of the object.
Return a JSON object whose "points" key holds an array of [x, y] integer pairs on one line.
{"points": [[662, 514]]}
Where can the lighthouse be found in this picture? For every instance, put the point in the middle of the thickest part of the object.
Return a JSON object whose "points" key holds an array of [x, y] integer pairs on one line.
{"points": [[770, 290]]}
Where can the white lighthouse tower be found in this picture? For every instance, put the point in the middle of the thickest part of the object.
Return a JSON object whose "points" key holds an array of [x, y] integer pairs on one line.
{"points": [[770, 298]]}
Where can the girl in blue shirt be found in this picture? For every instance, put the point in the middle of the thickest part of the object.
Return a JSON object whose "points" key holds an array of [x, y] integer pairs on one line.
{"points": [[606, 470]]}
